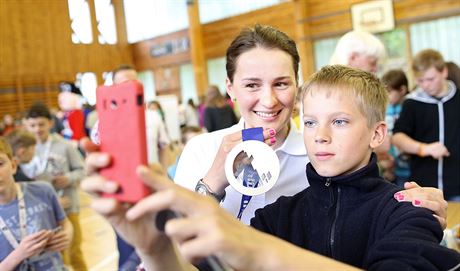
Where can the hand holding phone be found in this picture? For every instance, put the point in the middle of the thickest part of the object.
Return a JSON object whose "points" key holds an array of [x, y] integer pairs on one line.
{"points": [[123, 135]]}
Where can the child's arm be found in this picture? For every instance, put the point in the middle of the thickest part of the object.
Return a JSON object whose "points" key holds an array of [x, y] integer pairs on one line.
{"points": [[76, 169], [31, 245], [61, 239]]}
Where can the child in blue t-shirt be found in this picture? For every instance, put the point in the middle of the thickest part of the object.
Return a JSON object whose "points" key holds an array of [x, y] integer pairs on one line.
{"points": [[33, 225], [396, 83]]}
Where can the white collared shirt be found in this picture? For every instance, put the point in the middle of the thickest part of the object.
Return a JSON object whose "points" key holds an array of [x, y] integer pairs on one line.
{"points": [[198, 156]]}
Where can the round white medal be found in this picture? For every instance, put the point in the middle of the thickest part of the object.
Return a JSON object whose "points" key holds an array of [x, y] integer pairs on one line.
{"points": [[252, 168]]}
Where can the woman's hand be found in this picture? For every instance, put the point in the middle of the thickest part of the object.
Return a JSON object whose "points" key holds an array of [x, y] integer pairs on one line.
{"points": [[426, 197], [215, 178]]}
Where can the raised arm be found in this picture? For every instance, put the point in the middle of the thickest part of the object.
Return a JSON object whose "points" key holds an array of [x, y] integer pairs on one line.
{"points": [[205, 229], [409, 145]]}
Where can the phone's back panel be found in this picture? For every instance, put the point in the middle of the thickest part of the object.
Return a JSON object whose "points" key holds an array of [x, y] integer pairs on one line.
{"points": [[122, 134]]}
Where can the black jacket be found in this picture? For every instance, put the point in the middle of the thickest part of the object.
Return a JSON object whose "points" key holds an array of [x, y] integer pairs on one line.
{"points": [[428, 119], [355, 219]]}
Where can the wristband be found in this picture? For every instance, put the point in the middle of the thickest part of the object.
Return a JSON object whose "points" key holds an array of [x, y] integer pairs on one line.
{"points": [[421, 150]]}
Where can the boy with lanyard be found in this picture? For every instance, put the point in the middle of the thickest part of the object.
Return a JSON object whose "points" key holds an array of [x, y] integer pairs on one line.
{"points": [[33, 226], [58, 162]]}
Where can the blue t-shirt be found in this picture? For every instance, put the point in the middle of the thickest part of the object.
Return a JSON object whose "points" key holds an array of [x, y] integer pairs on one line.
{"points": [[43, 212], [402, 169]]}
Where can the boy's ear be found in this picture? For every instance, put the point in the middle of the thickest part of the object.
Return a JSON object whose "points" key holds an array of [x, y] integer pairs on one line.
{"points": [[403, 89], [445, 72], [379, 134], [14, 164], [19, 152]]}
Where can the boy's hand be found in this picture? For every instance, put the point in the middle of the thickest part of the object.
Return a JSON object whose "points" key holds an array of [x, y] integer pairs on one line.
{"points": [[426, 197], [437, 150], [61, 181], [33, 244], [58, 241]]}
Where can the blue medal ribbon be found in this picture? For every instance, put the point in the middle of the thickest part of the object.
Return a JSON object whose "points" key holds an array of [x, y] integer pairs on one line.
{"points": [[250, 176]]}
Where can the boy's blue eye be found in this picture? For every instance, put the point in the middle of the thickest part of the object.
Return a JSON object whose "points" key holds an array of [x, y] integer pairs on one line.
{"points": [[340, 122]]}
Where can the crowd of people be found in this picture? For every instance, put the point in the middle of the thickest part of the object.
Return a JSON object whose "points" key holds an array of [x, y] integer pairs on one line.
{"points": [[342, 191]]}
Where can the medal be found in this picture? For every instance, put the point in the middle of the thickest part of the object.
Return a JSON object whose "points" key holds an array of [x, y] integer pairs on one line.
{"points": [[252, 167]]}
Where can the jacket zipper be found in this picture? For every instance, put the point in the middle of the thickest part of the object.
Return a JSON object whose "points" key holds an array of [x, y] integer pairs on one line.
{"points": [[337, 209]]}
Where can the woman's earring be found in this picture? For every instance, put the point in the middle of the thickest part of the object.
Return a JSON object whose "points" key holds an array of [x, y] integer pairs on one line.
{"points": [[234, 99]]}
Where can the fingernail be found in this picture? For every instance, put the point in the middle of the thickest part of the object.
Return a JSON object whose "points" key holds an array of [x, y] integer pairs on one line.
{"points": [[272, 140], [400, 197], [272, 132], [417, 202], [102, 158], [111, 185]]}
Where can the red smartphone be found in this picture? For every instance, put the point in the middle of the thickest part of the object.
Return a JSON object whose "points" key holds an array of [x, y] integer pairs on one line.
{"points": [[122, 134]]}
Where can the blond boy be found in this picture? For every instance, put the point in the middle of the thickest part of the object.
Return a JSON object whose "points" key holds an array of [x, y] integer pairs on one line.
{"points": [[23, 145], [29, 239], [349, 213], [428, 127]]}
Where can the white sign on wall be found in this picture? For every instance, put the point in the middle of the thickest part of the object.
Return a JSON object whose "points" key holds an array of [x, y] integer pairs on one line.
{"points": [[373, 16]]}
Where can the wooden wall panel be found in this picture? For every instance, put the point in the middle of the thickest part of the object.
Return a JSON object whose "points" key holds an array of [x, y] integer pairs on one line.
{"points": [[36, 49], [333, 18], [410, 11], [218, 35], [143, 60]]}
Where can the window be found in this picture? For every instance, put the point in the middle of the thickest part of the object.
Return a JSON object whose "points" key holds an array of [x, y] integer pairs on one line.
{"points": [[105, 17], [187, 83], [213, 10], [148, 81], [323, 50], [146, 19], [441, 35], [217, 73], [88, 83], [80, 21]]}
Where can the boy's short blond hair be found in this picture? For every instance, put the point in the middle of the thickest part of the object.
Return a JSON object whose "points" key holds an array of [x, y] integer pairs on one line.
{"points": [[426, 59], [20, 139], [6, 148], [368, 92]]}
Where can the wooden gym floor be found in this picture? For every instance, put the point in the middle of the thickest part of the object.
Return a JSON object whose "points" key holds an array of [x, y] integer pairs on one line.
{"points": [[99, 247]]}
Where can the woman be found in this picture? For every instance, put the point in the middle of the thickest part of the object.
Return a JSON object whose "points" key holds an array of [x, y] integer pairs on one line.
{"points": [[262, 76], [217, 114]]}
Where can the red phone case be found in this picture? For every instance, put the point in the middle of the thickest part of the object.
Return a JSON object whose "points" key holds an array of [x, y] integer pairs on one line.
{"points": [[121, 115]]}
